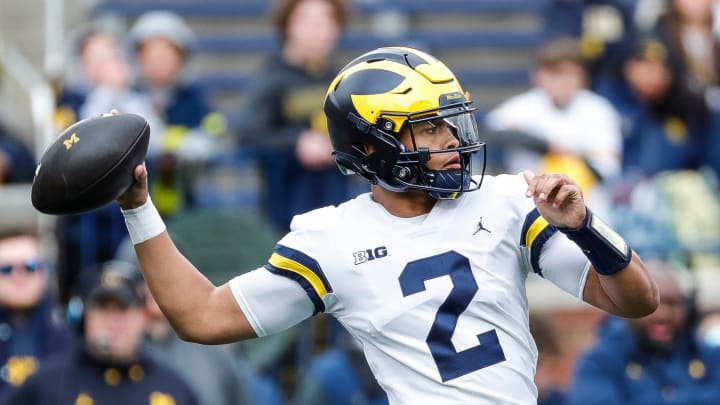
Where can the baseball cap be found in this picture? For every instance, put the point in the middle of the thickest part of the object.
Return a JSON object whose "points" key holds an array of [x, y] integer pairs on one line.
{"points": [[113, 280], [163, 24], [650, 49]]}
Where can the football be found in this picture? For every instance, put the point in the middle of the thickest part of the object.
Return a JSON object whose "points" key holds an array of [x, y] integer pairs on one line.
{"points": [[90, 164]]}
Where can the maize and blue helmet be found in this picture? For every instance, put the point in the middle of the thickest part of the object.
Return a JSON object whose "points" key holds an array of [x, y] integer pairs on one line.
{"points": [[385, 90]]}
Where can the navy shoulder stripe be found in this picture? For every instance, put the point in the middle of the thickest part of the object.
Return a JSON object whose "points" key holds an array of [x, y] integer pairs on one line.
{"points": [[535, 233], [305, 270]]}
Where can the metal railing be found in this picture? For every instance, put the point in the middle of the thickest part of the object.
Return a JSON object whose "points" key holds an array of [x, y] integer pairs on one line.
{"points": [[16, 211], [42, 101]]}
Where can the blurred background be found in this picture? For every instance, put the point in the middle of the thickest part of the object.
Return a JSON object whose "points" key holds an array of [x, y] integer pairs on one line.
{"points": [[621, 94]]}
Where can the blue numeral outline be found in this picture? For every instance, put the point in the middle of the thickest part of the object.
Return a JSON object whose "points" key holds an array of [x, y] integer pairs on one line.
{"points": [[451, 363]]}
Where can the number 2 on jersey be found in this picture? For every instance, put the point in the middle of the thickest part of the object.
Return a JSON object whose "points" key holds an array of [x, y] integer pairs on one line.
{"points": [[451, 363]]}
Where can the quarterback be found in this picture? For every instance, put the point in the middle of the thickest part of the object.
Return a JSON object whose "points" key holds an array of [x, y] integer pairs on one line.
{"points": [[427, 270]]}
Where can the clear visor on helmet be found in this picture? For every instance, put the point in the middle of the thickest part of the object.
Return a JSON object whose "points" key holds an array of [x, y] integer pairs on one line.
{"points": [[460, 121], [426, 160]]}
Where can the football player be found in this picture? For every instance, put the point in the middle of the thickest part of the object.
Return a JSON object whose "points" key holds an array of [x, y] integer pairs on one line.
{"points": [[427, 270]]}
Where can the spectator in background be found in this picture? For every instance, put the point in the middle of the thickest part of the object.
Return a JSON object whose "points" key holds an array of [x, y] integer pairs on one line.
{"points": [[687, 29], [17, 164], [574, 130], [210, 371], [229, 374], [164, 46], [665, 122], [283, 118], [103, 81], [109, 366], [650, 360], [340, 376], [603, 28], [547, 378], [28, 331]]}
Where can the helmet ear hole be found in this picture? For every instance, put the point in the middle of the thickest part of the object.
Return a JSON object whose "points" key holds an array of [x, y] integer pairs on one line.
{"points": [[364, 148]]}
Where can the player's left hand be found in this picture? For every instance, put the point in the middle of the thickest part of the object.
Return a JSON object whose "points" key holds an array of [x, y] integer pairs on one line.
{"points": [[558, 199]]}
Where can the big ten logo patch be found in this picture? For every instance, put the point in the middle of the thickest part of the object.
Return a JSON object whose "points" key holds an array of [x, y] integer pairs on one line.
{"points": [[370, 254]]}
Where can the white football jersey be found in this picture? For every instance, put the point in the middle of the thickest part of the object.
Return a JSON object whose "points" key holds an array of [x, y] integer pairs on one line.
{"points": [[438, 302]]}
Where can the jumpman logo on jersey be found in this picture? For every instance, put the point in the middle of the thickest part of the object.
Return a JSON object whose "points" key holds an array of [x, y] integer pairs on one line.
{"points": [[480, 227]]}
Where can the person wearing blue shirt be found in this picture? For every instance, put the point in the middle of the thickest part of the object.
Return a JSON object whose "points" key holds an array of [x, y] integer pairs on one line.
{"points": [[103, 69], [165, 48], [340, 376], [652, 360]]}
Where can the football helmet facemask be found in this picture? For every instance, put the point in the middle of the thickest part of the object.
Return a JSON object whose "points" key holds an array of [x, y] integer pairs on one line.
{"points": [[382, 92]]}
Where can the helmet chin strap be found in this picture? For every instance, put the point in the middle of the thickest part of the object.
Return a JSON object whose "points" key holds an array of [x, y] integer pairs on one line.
{"points": [[443, 179], [448, 179]]}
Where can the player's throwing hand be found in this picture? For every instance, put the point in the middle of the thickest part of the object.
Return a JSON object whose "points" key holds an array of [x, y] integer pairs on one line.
{"points": [[137, 194]]}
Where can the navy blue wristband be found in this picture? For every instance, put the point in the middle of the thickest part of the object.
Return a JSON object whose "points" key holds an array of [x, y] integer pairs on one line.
{"points": [[607, 251]]}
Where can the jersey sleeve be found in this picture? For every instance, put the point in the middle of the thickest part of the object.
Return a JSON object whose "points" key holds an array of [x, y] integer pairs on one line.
{"points": [[553, 256], [270, 303], [289, 288], [304, 270]]}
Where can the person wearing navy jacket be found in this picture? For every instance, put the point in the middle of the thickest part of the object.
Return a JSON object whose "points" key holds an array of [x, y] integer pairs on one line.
{"points": [[108, 365], [28, 331], [652, 360]]}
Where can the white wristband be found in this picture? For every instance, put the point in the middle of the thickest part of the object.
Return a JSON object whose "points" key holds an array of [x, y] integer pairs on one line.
{"points": [[143, 222]]}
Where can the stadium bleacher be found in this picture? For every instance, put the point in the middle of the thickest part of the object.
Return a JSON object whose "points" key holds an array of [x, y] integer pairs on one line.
{"points": [[488, 43]]}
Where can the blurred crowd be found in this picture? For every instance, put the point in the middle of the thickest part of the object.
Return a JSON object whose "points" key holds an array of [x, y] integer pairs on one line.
{"points": [[624, 97]]}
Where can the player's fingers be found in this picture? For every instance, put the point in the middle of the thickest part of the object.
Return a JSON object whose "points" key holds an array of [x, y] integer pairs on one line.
{"points": [[572, 188], [549, 187], [537, 185], [531, 182], [567, 179], [565, 193], [140, 174], [114, 111], [542, 188], [528, 175]]}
